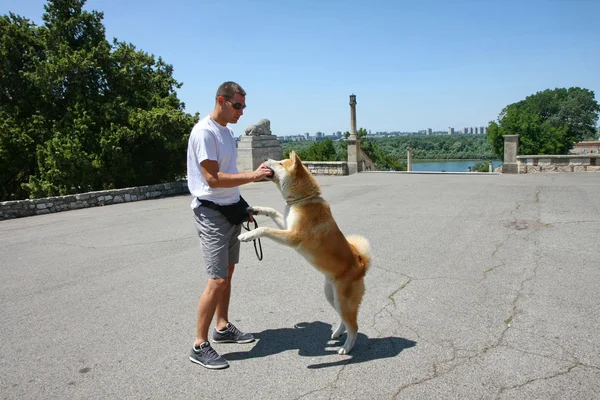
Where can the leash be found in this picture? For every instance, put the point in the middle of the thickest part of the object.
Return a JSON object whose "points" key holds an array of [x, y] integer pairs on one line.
{"points": [[247, 227]]}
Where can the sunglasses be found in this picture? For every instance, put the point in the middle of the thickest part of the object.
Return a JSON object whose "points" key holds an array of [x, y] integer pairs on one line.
{"points": [[237, 106]]}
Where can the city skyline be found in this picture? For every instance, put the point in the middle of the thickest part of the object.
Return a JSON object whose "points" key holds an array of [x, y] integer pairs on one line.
{"points": [[307, 136]]}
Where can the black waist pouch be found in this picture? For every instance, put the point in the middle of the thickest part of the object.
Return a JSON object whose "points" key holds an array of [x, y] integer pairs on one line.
{"points": [[235, 213]]}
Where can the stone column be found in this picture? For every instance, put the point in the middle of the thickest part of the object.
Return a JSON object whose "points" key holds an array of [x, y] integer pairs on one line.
{"points": [[353, 141], [257, 144], [511, 146], [409, 160], [491, 166]]}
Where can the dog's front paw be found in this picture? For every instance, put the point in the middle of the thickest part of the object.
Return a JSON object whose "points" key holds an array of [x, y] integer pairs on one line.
{"points": [[245, 237], [252, 210]]}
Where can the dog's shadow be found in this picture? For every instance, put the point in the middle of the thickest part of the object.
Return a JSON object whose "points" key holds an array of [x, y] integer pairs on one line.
{"points": [[313, 339]]}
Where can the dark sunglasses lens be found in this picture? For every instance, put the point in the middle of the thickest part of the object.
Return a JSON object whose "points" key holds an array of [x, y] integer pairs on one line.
{"points": [[238, 106]]}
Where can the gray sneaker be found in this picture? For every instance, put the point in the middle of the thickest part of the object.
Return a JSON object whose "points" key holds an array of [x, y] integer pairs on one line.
{"points": [[231, 334], [207, 357]]}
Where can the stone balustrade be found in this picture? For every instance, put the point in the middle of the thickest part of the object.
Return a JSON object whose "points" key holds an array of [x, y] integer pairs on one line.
{"points": [[327, 167], [26, 208], [558, 163]]}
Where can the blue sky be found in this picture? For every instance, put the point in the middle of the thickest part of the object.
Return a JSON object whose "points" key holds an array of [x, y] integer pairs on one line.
{"points": [[412, 64]]}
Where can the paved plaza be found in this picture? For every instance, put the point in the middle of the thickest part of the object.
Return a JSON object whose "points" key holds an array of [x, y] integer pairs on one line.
{"points": [[482, 287]]}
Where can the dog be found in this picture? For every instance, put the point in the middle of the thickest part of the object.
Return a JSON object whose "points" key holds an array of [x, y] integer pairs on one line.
{"points": [[308, 227]]}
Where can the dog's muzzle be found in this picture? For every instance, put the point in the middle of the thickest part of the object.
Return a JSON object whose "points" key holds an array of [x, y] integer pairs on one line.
{"points": [[272, 172]]}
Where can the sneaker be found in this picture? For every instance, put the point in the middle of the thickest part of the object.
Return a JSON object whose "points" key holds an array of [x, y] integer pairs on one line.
{"points": [[207, 357], [231, 334]]}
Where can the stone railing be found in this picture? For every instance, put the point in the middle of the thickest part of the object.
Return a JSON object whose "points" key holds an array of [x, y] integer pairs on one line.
{"points": [[558, 163], [26, 208], [365, 163], [327, 167]]}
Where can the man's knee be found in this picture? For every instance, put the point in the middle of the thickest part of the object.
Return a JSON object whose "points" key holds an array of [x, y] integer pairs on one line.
{"points": [[218, 284]]}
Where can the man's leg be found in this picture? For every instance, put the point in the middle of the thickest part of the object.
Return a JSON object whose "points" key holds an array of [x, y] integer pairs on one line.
{"points": [[222, 310], [207, 304]]}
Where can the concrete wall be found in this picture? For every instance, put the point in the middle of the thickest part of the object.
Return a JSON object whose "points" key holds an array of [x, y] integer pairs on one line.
{"points": [[558, 163], [26, 208]]}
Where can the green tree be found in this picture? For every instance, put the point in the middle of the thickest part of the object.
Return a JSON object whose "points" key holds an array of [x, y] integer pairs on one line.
{"points": [[382, 159], [79, 113], [548, 122], [22, 46], [322, 150]]}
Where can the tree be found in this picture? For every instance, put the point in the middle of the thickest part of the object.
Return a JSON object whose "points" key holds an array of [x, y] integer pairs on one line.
{"points": [[382, 159], [322, 150], [79, 113], [22, 45], [548, 122]]}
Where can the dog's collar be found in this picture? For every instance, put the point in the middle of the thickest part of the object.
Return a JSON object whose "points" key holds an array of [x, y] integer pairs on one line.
{"points": [[290, 202]]}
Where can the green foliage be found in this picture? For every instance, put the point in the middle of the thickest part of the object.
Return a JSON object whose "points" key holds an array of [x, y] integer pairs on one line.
{"points": [[438, 147], [322, 150], [79, 113], [384, 160], [548, 122], [481, 166], [391, 152]]}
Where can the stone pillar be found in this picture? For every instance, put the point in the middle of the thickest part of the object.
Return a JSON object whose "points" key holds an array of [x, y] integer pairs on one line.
{"points": [[491, 167], [409, 160], [511, 147], [353, 141], [257, 144]]}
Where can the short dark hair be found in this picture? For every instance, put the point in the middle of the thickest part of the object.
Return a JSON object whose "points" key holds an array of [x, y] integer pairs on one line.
{"points": [[229, 89]]}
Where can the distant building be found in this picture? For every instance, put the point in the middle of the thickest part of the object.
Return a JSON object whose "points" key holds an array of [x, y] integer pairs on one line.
{"points": [[450, 131], [465, 130], [586, 147], [471, 130], [307, 136], [428, 131]]}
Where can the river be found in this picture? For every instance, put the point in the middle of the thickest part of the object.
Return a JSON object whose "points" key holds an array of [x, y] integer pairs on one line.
{"points": [[449, 165]]}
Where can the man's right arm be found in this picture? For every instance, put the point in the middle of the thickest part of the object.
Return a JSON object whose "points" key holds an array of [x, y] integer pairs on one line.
{"points": [[219, 179]]}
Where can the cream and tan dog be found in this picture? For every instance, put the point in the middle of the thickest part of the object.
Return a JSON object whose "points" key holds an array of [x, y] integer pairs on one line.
{"points": [[308, 227]]}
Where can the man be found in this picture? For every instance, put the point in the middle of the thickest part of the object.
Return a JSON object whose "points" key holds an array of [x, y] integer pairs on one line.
{"points": [[212, 175]]}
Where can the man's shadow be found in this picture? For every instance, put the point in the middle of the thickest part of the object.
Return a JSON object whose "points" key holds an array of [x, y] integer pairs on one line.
{"points": [[313, 339]]}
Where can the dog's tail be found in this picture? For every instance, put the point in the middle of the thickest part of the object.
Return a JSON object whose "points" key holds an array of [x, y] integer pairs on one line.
{"points": [[363, 248]]}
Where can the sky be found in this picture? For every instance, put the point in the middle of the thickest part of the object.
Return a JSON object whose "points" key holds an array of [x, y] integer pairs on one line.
{"points": [[411, 64]]}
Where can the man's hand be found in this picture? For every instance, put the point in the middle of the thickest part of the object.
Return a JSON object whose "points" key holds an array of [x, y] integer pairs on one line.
{"points": [[262, 172], [218, 179]]}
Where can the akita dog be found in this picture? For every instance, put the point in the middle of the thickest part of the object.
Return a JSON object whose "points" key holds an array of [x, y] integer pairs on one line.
{"points": [[308, 226]]}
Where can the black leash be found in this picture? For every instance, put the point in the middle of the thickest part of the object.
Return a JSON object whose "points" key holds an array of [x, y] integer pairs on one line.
{"points": [[247, 227]]}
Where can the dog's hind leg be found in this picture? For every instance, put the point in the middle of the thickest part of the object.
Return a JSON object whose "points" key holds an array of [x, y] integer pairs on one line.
{"points": [[349, 299], [330, 295]]}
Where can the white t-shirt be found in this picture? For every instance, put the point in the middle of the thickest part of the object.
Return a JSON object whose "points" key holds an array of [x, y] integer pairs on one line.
{"points": [[211, 141]]}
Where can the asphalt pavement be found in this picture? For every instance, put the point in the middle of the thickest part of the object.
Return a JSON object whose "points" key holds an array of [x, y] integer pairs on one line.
{"points": [[482, 287]]}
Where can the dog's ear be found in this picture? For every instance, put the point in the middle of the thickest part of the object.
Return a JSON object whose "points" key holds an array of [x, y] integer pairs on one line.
{"points": [[294, 157]]}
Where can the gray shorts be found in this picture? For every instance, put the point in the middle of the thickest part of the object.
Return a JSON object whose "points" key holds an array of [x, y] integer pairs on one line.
{"points": [[218, 241]]}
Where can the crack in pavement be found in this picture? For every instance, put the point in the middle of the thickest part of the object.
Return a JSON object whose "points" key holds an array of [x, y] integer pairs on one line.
{"points": [[573, 359], [529, 381], [437, 372], [496, 250], [313, 391], [574, 222]]}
